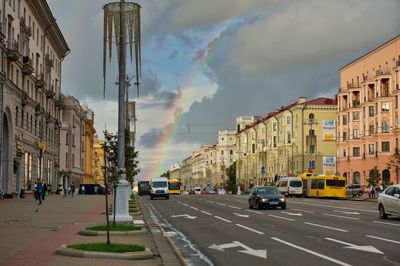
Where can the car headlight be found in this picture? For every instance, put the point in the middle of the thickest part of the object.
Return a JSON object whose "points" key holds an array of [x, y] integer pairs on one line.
{"points": [[282, 199], [263, 200]]}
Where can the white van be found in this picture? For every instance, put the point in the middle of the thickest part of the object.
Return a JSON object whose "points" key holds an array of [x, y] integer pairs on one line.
{"points": [[159, 188], [291, 186]]}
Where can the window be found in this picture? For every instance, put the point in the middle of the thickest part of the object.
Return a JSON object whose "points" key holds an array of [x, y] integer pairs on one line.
{"points": [[274, 126], [231, 152], [356, 116], [385, 107], [356, 178], [345, 120], [371, 148], [274, 141], [344, 136], [289, 137], [253, 148], [371, 111], [288, 120], [67, 138], [385, 126], [385, 146], [222, 152], [356, 133], [356, 151], [371, 130]]}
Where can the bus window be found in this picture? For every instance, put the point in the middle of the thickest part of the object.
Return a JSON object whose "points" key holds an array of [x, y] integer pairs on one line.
{"points": [[335, 183], [321, 183], [314, 183]]}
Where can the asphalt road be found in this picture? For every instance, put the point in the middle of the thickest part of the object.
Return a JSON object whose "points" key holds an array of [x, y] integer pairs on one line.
{"points": [[222, 230]]}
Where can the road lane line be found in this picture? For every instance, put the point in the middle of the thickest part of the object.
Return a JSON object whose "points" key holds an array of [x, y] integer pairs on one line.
{"points": [[210, 201], [254, 211], [194, 208], [339, 216], [250, 229], [327, 227], [206, 212], [280, 217], [222, 204], [379, 222], [184, 204], [346, 212], [384, 239], [302, 210], [234, 207], [225, 220], [311, 252], [330, 206]]}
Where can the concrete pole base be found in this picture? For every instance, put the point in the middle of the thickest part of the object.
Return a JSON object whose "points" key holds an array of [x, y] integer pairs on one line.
{"points": [[123, 194]]}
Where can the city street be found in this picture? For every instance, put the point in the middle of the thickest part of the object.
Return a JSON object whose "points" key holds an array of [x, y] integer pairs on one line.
{"points": [[222, 230]]}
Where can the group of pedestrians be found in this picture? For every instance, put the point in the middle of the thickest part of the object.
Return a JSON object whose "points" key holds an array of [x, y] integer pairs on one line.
{"points": [[374, 191], [69, 190], [40, 191]]}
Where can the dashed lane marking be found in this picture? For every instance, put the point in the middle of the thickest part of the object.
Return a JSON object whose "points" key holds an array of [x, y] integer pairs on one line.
{"points": [[194, 208], [283, 218], [250, 229], [254, 211], [206, 212], [222, 204], [234, 207], [327, 227], [379, 222], [384, 239], [340, 216], [299, 210], [220, 218]]}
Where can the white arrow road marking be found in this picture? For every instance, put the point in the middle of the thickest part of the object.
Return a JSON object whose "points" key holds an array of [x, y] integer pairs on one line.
{"points": [[241, 215], [384, 239], [340, 216], [352, 246], [262, 253], [356, 213], [187, 216], [311, 252], [291, 213], [327, 227]]}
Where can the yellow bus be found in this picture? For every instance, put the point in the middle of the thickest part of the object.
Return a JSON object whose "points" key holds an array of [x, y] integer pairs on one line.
{"points": [[174, 186], [324, 186]]}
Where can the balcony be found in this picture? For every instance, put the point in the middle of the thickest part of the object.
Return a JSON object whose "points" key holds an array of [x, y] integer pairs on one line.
{"points": [[49, 62], [12, 50], [355, 103], [368, 78], [50, 93], [26, 28], [382, 72], [40, 80], [397, 64], [352, 86], [39, 110], [27, 67], [24, 100]]}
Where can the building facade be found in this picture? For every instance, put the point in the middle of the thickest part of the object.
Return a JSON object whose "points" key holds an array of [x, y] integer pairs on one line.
{"points": [[72, 142], [175, 171], [368, 117], [88, 151], [98, 161], [186, 173], [32, 49], [296, 138]]}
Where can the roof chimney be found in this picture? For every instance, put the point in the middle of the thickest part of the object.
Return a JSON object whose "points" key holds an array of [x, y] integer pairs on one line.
{"points": [[302, 99]]}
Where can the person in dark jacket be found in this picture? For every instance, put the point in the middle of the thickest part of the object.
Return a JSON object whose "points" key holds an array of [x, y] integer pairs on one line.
{"points": [[39, 190]]}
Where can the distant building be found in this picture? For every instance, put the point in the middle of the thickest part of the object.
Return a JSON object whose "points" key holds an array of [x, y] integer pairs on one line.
{"points": [[296, 138], [175, 171], [88, 144], [186, 173], [199, 162], [98, 161], [32, 49], [368, 117]]}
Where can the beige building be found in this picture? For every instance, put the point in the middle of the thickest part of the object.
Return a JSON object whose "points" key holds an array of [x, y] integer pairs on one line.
{"points": [[200, 158], [88, 145], [175, 171], [98, 161], [32, 48], [186, 173], [368, 117], [72, 142], [294, 139]]}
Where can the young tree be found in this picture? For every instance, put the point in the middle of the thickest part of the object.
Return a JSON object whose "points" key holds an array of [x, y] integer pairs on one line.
{"points": [[394, 163], [231, 173], [131, 164], [166, 174], [374, 176]]}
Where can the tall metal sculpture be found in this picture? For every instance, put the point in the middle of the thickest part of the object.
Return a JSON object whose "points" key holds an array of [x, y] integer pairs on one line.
{"points": [[122, 27]]}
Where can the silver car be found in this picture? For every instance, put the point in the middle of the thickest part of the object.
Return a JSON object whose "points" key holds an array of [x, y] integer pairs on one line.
{"points": [[389, 201]]}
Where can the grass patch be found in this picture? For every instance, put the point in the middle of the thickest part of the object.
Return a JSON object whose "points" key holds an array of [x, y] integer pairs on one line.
{"points": [[103, 247], [117, 227]]}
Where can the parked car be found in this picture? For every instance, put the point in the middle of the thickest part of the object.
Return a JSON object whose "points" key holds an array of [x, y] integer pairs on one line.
{"points": [[266, 196], [221, 191], [212, 191], [197, 190], [290, 186], [204, 192], [389, 201], [354, 190]]}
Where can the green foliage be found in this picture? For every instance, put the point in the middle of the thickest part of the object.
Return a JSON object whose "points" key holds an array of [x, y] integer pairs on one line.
{"points": [[111, 149], [166, 174], [374, 176], [103, 247], [118, 227], [231, 182], [394, 161]]}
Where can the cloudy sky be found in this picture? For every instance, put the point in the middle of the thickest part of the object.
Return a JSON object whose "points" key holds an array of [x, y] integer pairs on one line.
{"points": [[206, 62]]}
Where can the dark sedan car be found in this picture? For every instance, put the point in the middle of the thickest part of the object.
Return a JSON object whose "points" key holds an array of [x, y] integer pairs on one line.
{"points": [[268, 196]]}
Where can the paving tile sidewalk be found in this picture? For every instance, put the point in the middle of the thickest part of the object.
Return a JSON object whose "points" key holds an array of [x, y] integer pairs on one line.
{"points": [[31, 238]]}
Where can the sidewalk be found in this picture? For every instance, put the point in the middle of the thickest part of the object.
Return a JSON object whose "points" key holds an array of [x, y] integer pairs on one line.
{"points": [[31, 238]]}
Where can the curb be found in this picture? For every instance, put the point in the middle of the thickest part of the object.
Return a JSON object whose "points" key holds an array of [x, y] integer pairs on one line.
{"points": [[174, 248], [66, 251], [113, 233]]}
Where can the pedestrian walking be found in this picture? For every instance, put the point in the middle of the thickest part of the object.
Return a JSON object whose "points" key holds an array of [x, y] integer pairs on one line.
{"points": [[44, 191], [72, 189], [39, 190], [65, 192], [377, 190]]}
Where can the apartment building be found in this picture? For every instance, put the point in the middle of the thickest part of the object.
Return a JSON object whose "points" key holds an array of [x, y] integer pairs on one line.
{"points": [[368, 117], [200, 158], [295, 138], [72, 150], [88, 146], [175, 171], [98, 160], [32, 50], [186, 173]]}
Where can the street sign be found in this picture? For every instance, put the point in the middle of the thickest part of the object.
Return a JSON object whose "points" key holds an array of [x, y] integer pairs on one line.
{"points": [[312, 164], [356, 247], [262, 253], [186, 216]]}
